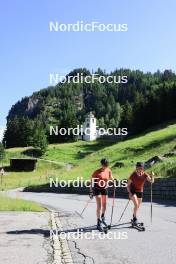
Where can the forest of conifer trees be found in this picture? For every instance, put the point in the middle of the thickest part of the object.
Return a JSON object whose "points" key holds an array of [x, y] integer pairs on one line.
{"points": [[144, 101]]}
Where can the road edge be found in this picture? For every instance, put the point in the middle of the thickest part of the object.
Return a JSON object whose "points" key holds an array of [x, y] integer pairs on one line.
{"points": [[62, 253]]}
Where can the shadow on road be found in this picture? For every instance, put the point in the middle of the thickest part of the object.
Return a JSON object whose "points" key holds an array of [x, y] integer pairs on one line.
{"points": [[45, 233], [88, 229]]}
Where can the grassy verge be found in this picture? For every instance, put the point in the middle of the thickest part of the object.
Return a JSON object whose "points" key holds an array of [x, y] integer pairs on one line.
{"points": [[9, 204], [41, 175]]}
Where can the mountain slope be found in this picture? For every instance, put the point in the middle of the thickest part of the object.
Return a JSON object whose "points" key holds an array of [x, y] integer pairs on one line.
{"points": [[144, 101]]}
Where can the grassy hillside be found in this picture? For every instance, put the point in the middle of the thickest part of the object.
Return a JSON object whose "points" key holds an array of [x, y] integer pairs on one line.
{"points": [[141, 148], [84, 158]]}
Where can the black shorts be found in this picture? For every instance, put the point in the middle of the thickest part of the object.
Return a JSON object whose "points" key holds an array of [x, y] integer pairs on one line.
{"points": [[138, 194], [98, 191]]}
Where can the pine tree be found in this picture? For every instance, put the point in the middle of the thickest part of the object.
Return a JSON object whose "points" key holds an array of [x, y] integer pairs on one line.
{"points": [[39, 140], [2, 152]]}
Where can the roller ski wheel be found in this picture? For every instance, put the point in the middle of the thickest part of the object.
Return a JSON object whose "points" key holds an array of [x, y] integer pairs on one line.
{"points": [[103, 221], [138, 226], [102, 228], [141, 228], [105, 230]]}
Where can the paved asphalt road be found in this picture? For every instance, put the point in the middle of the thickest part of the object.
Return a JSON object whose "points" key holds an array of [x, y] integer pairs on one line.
{"points": [[157, 245], [24, 238]]}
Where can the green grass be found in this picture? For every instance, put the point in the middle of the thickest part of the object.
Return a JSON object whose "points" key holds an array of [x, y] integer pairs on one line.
{"points": [[85, 157], [40, 176], [9, 204], [141, 148], [74, 152]]}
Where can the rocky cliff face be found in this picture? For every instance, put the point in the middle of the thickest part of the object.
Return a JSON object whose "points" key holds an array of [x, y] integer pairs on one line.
{"points": [[32, 104], [27, 107]]}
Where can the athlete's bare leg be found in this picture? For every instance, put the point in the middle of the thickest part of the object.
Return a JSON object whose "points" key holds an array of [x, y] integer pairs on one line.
{"points": [[136, 204], [98, 201], [139, 202], [103, 201]]}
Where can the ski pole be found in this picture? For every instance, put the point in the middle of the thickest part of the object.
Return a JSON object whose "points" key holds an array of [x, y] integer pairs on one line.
{"points": [[151, 199], [113, 203], [151, 203], [87, 203], [124, 210]]}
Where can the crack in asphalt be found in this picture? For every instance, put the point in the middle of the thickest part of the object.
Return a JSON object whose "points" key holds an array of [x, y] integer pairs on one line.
{"points": [[78, 250], [82, 254]]}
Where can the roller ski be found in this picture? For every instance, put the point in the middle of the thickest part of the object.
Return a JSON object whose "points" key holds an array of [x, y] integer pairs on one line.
{"points": [[135, 224], [101, 228], [106, 226]]}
